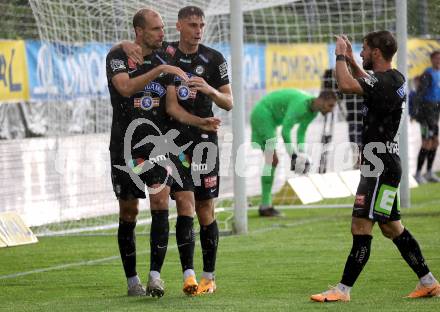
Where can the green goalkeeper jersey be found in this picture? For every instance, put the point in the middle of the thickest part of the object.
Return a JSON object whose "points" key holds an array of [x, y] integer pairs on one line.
{"points": [[286, 108]]}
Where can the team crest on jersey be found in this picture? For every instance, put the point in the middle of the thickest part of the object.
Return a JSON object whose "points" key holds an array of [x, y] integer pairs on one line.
{"points": [[371, 80], [156, 88], [183, 92], [199, 70]]}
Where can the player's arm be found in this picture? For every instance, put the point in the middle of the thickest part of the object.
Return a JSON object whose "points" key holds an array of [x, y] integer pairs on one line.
{"points": [[346, 82], [175, 110], [127, 86], [286, 128], [222, 96]]}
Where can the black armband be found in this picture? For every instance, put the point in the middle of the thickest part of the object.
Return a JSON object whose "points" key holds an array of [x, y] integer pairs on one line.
{"points": [[340, 57]]}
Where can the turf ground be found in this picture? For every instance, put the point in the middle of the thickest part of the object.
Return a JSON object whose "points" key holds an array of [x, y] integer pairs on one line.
{"points": [[275, 267]]}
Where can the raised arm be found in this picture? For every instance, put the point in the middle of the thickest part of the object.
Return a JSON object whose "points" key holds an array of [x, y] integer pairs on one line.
{"points": [[346, 82]]}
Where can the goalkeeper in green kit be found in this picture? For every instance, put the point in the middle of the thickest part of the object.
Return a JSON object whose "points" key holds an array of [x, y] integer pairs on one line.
{"points": [[284, 108]]}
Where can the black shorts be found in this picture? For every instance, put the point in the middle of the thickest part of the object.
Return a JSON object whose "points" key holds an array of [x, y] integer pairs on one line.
{"points": [[428, 117], [199, 170], [377, 198], [132, 185]]}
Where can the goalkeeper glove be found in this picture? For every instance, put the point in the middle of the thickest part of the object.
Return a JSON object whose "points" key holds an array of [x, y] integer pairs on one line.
{"points": [[300, 163]]}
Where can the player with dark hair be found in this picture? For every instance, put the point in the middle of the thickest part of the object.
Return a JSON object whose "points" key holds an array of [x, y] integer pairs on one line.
{"points": [[138, 94], [285, 108], [208, 83], [428, 116], [377, 195]]}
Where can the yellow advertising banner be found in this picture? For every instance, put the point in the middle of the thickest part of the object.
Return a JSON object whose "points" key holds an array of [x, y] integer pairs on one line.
{"points": [[13, 231], [295, 65], [418, 55], [13, 71]]}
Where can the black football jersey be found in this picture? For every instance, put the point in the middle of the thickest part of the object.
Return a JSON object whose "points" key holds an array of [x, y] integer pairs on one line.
{"points": [[206, 63], [148, 103], [384, 97]]}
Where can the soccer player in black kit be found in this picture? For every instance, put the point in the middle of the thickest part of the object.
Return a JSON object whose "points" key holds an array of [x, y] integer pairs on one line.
{"points": [[139, 92], [208, 83], [377, 195]]}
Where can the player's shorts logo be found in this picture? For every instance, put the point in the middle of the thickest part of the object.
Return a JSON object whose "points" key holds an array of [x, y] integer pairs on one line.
{"points": [[200, 70], [183, 92], [146, 102]]}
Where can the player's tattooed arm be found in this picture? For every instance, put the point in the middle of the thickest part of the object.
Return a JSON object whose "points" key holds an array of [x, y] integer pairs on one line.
{"points": [[222, 96], [176, 111]]}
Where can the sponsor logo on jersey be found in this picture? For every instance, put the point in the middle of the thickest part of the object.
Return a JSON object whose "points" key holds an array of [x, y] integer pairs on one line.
{"points": [[155, 87], [146, 102], [185, 160], [117, 64], [371, 81], [401, 91], [223, 70], [183, 92], [188, 61], [210, 181], [177, 78], [199, 70]]}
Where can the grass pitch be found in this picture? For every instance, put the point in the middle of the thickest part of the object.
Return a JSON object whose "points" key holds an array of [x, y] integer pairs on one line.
{"points": [[275, 267]]}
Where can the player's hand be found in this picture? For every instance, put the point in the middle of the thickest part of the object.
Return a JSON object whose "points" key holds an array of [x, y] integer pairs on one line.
{"points": [[341, 45], [210, 124], [300, 163], [173, 70], [349, 51], [200, 84], [133, 51]]}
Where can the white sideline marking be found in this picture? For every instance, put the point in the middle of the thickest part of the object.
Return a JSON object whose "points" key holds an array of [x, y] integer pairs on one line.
{"points": [[92, 262]]}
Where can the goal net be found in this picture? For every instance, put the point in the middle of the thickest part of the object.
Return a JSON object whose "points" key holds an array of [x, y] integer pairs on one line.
{"points": [[288, 44]]}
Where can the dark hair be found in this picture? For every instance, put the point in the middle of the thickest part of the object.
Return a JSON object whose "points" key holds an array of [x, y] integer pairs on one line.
{"points": [[140, 18], [190, 11], [434, 53], [329, 81], [327, 95], [384, 41]]}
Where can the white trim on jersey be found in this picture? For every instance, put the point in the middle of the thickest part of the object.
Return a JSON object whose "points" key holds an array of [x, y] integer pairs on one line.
{"points": [[373, 199]]}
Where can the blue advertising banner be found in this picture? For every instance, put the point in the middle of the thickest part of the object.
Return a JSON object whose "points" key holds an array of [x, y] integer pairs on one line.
{"points": [[66, 72]]}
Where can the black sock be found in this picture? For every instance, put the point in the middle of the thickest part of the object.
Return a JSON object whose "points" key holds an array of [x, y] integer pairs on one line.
{"points": [[421, 158], [430, 157], [410, 251], [127, 247], [159, 232], [185, 241], [359, 254], [209, 242]]}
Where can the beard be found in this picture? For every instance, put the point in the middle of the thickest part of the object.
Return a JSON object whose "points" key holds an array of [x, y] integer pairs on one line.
{"points": [[367, 65]]}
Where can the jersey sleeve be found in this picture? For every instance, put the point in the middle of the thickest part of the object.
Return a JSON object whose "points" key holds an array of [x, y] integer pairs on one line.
{"points": [[220, 75], [291, 118], [116, 62], [381, 89]]}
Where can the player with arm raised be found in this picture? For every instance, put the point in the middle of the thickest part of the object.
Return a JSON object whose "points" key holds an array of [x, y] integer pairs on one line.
{"points": [[136, 92], [377, 194], [285, 108]]}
